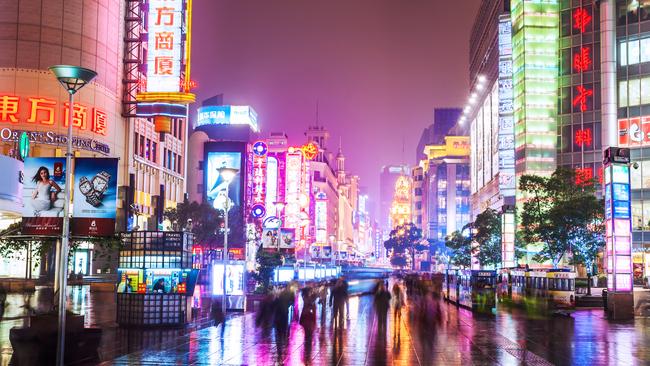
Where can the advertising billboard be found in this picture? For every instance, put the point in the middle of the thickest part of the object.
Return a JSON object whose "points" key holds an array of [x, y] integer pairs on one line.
{"points": [[215, 187], [227, 115], [164, 52], [287, 238], [95, 196], [43, 197]]}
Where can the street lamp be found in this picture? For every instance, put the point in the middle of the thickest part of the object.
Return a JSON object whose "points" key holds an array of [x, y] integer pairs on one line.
{"points": [[332, 239], [303, 224], [73, 78], [228, 174]]}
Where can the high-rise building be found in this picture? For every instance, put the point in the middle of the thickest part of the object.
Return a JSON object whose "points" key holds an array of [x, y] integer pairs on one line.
{"points": [[444, 119], [387, 179]]}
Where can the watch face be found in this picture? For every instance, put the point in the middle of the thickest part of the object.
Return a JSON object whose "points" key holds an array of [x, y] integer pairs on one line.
{"points": [[99, 184], [85, 186]]}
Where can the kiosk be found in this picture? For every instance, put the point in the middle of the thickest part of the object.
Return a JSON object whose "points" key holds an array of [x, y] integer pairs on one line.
{"points": [[155, 279]]}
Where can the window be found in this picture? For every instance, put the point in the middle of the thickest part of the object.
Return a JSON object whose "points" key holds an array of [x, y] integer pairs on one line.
{"points": [[634, 92], [634, 51], [622, 94], [136, 141], [147, 150], [154, 151], [637, 215]]}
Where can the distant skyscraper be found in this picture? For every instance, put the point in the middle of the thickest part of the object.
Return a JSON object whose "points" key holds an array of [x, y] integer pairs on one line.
{"points": [[387, 179], [444, 120]]}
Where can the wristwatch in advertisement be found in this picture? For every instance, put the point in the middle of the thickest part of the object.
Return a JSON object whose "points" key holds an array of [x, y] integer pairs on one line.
{"points": [[95, 188]]}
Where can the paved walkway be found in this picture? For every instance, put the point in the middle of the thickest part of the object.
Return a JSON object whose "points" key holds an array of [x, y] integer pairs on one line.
{"points": [[510, 338]]}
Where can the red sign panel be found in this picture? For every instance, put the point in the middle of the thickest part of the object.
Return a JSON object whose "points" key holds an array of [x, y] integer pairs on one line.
{"points": [[634, 131]]}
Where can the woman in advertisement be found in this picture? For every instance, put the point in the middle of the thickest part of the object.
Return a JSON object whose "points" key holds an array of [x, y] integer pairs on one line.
{"points": [[45, 192]]}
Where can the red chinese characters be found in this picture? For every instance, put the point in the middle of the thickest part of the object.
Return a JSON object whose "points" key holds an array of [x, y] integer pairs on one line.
{"points": [[583, 137], [45, 111], [164, 65], [581, 19], [581, 98], [165, 16], [584, 175], [634, 131], [164, 40], [582, 60]]}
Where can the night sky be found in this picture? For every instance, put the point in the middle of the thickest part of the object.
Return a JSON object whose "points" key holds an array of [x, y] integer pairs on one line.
{"points": [[376, 67]]}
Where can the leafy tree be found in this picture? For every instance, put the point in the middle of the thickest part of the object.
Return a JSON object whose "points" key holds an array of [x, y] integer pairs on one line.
{"points": [[267, 261], [556, 213], [487, 233], [460, 247], [402, 239], [205, 220]]}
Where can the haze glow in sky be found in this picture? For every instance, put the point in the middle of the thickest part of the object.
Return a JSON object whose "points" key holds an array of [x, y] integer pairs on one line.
{"points": [[376, 67]]}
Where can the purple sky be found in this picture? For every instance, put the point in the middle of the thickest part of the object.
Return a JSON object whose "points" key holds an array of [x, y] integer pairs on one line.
{"points": [[377, 68]]}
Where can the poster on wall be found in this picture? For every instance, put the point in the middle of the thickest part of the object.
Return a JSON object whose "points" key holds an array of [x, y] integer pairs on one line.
{"points": [[43, 197], [216, 185], [95, 196], [287, 238], [269, 238]]}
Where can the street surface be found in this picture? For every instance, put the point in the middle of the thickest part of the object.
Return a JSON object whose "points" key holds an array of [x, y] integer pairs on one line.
{"points": [[510, 338]]}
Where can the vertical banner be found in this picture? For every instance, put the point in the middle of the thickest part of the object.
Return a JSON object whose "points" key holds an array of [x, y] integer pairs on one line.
{"points": [[43, 198], [95, 197]]}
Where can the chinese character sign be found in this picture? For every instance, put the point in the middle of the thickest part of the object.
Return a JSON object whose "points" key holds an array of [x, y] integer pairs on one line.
{"points": [[164, 53], [506, 137], [634, 131]]}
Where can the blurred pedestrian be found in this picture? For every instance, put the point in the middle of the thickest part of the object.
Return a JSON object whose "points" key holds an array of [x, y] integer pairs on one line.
{"points": [[322, 300], [398, 302], [382, 303], [337, 302], [346, 293], [216, 313], [282, 303], [264, 316], [308, 314]]}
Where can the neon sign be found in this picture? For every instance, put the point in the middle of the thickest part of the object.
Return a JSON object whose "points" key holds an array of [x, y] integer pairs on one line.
{"points": [[634, 131], [581, 99], [164, 53], [43, 111], [293, 184], [506, 120], [581, 19], [310, 151], [583, 137], [259, 173], [582, 60], [583, 175]]}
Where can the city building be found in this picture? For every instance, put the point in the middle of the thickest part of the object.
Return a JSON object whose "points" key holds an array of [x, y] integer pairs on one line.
{"points": [[109, 119], [446, 188], [387, 179], [444, 119], [400, 209]]}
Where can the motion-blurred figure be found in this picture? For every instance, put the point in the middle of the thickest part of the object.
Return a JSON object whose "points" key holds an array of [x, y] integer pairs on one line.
{"points": [[337, 302], [382, 303], [398, 301], [308, 318]]}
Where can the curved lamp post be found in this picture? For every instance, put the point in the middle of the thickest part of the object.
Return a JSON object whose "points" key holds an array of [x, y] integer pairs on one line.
{"points": [[73, 78], [228, 174]]}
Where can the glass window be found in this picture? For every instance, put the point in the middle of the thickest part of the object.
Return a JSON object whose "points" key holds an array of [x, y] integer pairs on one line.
{"points": [[646, 216], [633, 52], [634, 92], [154, 151], [645, 174], [622, 94], [635, 178], [623, 53], [645, 50], [645, 91]]}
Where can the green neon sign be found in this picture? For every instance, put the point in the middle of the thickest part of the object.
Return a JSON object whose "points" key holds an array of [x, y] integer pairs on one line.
{"points": [[23, 145]]}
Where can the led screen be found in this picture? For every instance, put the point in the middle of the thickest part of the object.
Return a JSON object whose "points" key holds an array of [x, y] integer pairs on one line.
{"points": [[216, 185]]}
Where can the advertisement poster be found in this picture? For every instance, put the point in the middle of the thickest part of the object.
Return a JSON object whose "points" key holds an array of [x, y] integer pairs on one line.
{"points": [[216, 185], [269, 238], [95, 196], [287, 238], [43, 197]]}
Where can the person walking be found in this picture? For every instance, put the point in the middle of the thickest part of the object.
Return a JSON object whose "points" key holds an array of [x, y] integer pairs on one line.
{"points": [[382, 303], [322, 300], [308, 317], [398, 302], [337, 302]]}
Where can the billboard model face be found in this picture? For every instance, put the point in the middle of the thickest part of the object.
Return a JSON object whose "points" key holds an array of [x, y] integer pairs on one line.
{"points": [[43, 197], [215, 184], [95, 192]]}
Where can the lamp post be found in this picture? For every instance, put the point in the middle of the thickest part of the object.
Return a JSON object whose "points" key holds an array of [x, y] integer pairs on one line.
{"points": [[228, 174], [303, 223], [332, 238], [72, 78]]}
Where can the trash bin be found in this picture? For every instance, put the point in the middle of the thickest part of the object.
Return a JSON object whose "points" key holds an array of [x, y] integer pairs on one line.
{"points": [[605, 299]]}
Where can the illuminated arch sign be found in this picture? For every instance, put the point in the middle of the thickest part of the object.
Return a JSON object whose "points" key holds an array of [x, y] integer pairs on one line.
{"points": [[227, 115]]}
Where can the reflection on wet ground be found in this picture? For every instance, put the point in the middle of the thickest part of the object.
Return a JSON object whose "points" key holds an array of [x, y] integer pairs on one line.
{"points": [[461, 338]]}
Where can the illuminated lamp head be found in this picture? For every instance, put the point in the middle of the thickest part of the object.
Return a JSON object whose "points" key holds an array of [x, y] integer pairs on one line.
{"points": [[162, 124]]}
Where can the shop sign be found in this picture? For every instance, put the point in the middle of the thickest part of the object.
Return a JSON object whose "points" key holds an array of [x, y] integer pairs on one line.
{"points": [[506, 137], [51, 138], [95, 196], [44, 111]]}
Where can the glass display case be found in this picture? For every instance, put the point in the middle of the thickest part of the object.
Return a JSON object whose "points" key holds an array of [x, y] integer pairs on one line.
{"points": [[156, 279], [235, 284]]}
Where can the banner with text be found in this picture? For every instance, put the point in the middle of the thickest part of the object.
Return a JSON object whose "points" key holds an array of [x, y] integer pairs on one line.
{"points": [[43, 198]]}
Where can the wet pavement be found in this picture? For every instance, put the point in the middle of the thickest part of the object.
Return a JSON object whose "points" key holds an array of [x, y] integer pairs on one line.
{"points": [[512, 337], [462, 338]]}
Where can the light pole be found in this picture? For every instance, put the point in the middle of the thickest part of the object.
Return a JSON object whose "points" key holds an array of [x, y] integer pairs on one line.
{"points": [[332, 238], [303, 223], [228, 174], [73, 78]]}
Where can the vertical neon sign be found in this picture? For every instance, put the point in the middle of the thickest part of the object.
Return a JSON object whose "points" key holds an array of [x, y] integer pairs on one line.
{"points": [[164, 39], [292, 189]]}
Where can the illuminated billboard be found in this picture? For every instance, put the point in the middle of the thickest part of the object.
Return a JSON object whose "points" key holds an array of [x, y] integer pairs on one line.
{"points": [[215, 187], [227, 115], [164, 40]]}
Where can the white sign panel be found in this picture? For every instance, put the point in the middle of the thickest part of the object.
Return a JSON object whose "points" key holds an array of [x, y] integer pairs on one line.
{"points": [[164, 51]]}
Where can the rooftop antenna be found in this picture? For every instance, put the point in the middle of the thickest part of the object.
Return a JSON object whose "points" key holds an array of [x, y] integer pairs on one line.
{"points": [[317, 119]]}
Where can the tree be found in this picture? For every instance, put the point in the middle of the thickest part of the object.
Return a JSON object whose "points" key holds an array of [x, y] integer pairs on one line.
{"points": [[402, 239], [588, 241], [487, 233], [267, 261], [460, 247], [556, 213], [205, 220]]}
